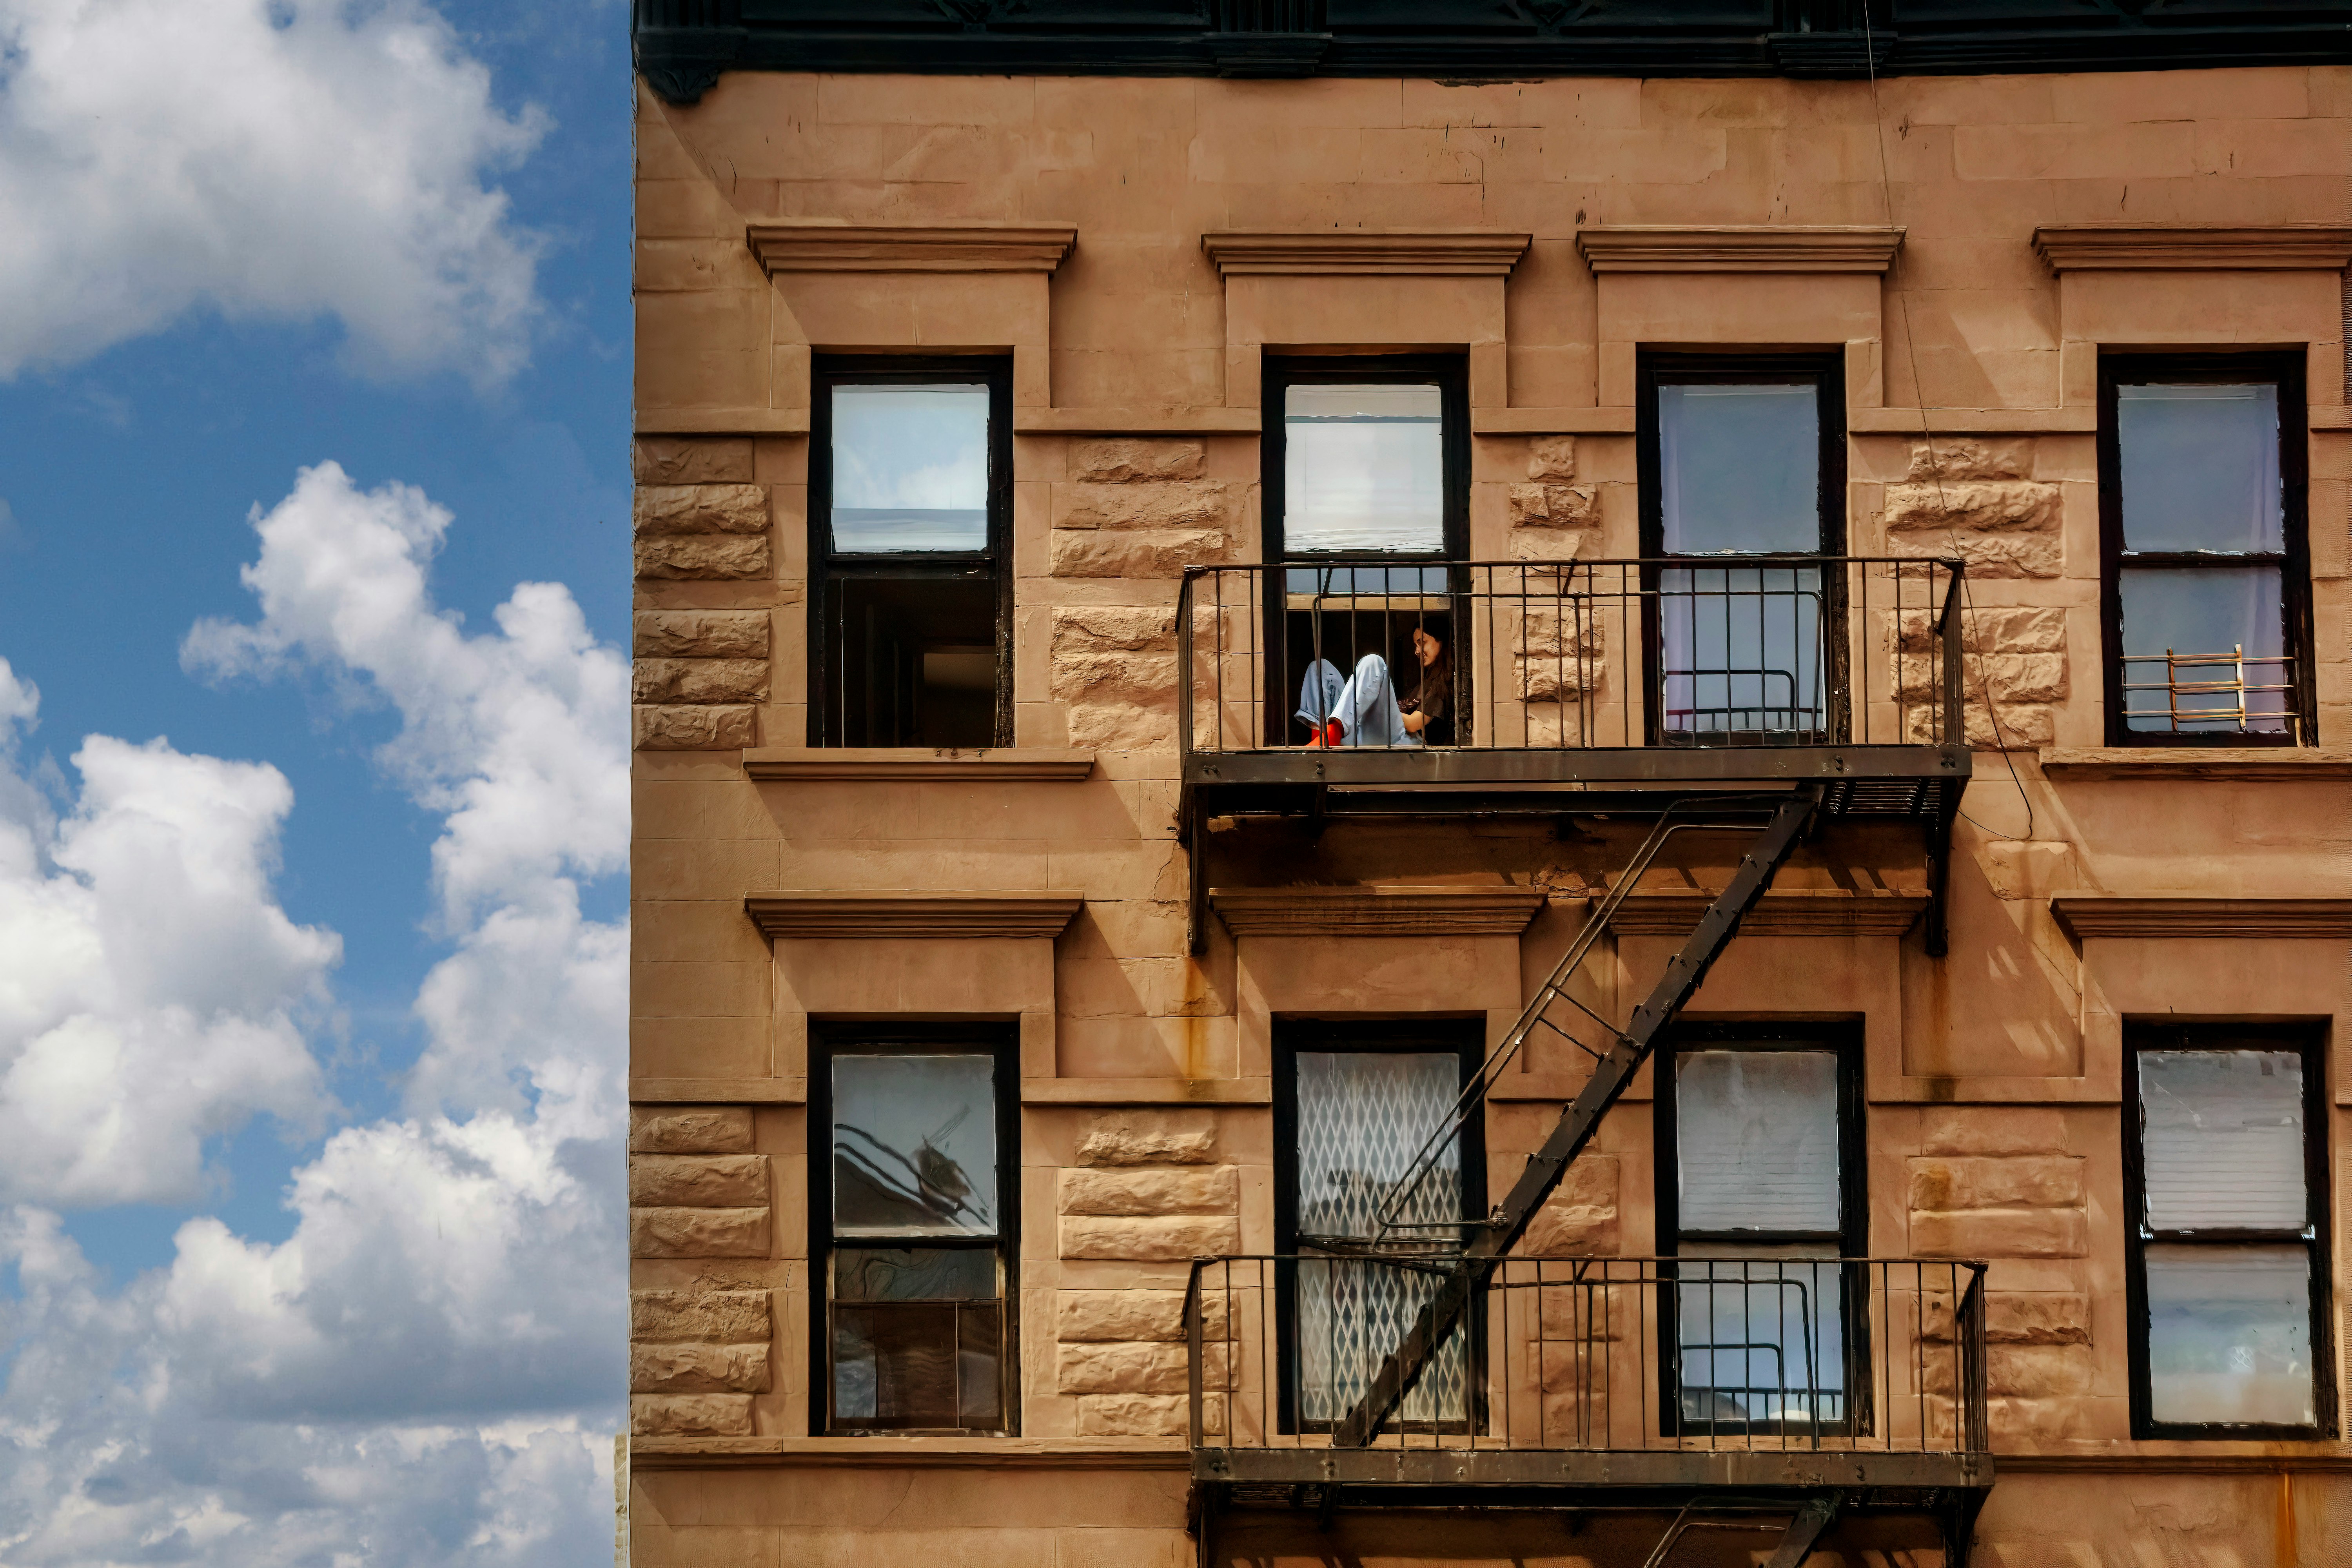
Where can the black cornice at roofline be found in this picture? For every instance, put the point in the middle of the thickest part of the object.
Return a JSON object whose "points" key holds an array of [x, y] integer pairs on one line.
{"points": [[683, 46]]}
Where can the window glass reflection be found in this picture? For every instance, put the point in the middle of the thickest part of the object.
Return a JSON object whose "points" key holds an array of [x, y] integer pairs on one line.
{"points": [[2229, 1335], [914, 1144], [909, 468], [2201, 467], [1364, 468], [1756, 1136], [2223, 1134], [1761, 1336], [1739, 469], [2203, 641]]}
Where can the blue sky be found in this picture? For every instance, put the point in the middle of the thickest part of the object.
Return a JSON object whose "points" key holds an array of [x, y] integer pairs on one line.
{"points": [[418, 275]]}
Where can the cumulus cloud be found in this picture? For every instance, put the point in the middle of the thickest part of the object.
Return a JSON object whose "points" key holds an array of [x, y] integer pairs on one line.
{"points": [[428, 1369], [154, 993], [287, 160]]}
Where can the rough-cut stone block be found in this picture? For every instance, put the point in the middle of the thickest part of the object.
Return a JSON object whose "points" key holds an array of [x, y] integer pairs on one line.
{"points": [[1084, 553], [1998, 631], [2042, 1420], [2019, 1372], [1982, 505], [716, 1316], [702, 634], [2019, 1318], [695, 1368], [2001, 1233], [1149, 1240], [690, 1130], [1113, 628], [1119, 461], [1163, 504], [1552, 457], [1153, 1315], [1145, 1414], [691, 460], [2024, 677], [1146, 1191], [700, 1233], [690, 1414], [1992, 1129], [1112, 665], [702, 680], [1967, 459], [715, 557], [1548, 680], [1579, 1219], [2022, 725], [1546, 544], [699, 1181], [1555, 506], [695, 729], [2000, 555], [2020, 1182], [1136, 1368], [701, 509], [1149, 1138]]}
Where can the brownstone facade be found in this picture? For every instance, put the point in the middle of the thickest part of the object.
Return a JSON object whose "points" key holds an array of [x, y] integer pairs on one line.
{"points": [[1966, 253]]}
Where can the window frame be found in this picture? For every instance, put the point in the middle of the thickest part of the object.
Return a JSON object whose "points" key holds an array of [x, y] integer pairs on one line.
{"points": [[1462, 1033], [995, 1038], [1843, 1037], [2178, 366], [2307, 1040], [1655, 368], [829, 567]]}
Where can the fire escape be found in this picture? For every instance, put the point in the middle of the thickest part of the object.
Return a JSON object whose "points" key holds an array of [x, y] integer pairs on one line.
{"points": [[1761, 1399]]}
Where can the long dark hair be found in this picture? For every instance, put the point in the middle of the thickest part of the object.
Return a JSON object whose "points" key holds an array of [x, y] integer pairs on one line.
{"points": [[1437, 675]]}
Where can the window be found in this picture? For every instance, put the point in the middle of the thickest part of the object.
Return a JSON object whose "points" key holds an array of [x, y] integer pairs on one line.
{"points": [[2201, 523], [910, 463], [1355, 1102], [1367, 497], [1742, 455], [1761, 1192], [911, 1235], [2227, 1184]]}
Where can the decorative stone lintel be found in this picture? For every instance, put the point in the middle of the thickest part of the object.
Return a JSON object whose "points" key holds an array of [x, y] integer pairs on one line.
{"points": [[2131, 246], [836, 916], [819, 246], [1435, 911], [1427, 253], [780, 764], [2081, 918], [1795, 912], [2216, 762], [1738, 247]]}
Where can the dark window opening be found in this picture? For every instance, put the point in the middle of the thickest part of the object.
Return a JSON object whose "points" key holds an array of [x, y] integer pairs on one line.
{"points": [[1759, 1196], [2226, 1183], [909, 488], [2206, 575], [911, 1230], [1743, 456], [1354, 1101], [1366, 497]]}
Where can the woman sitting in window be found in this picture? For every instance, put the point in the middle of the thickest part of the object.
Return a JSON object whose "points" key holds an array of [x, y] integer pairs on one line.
{"points": [[1365, 710]]}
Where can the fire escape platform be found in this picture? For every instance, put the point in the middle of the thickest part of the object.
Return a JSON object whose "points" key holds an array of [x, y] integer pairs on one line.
{"points": [[1586, 1470]]}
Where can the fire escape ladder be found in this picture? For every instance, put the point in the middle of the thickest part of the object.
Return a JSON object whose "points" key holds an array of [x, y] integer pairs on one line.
{"points": [[1611, 1075]]}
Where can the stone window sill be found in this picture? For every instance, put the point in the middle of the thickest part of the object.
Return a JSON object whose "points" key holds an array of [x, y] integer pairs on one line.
{"points": [[780, 764], [2068, 763], [881, 1451]]}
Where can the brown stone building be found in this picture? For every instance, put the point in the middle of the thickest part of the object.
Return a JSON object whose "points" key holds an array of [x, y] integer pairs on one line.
{"points": [[1542, 783]]}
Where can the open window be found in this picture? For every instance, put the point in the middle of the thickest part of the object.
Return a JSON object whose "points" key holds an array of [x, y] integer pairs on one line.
{"points": [[911, 1233], [1759, 1195], [909, 487], [2207, 578], [1742, 457], [2226, 1174], [1354, 1100], [1366, 497]]}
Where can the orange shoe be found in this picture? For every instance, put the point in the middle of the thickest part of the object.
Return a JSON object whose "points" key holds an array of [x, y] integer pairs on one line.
{"points": [[1330, 735]]}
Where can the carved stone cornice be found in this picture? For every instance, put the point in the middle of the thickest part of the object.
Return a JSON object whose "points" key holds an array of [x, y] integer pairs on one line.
{"points": [[836, 764], [821, 246], [1794, 912], [898, 917], [1429, 253], [1432, 910], [1738, 247], [2129, 246], [2099, 916]]}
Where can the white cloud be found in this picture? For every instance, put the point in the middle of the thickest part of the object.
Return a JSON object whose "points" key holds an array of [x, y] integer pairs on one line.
{"points": [[153, 992], [270, 159], [427, 1370]]}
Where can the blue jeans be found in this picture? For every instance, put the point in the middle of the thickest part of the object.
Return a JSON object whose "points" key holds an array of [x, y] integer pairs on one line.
{"points": [[1365, 704]]}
